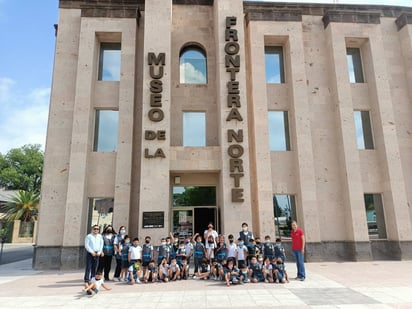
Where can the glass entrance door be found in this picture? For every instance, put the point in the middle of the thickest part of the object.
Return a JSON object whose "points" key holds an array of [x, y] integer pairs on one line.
{"points": [[183, 222], [193, 208]]}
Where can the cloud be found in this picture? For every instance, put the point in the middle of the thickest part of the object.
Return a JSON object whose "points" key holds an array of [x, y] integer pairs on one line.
{"points": [[190, 75], [23, 115]]}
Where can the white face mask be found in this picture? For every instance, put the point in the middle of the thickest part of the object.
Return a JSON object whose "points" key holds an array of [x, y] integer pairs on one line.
{"points": [[163, 243], [244, 229]]}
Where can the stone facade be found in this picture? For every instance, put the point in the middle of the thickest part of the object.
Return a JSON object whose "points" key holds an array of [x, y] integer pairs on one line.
{"points": [[324, 170]]}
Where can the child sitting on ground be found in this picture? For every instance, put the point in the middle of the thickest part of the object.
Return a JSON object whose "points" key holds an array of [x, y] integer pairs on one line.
{"points": [[232, 274], [184, 269], [164, 270], [95, 284], [280, 271], [174, 270], [134, 272], [255, 271], [151, 272], [203, 271]]}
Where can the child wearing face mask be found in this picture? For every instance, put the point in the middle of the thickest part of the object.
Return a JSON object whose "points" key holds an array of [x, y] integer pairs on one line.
{"points": [[268, 248], [241, 253], [279, 250], [125, 246], [267, 270], [118, 252], [162, 251], [231, 249], [199, 252], [280, 271], [245, 234], [174, 270], [147, 253], [180, 253]]}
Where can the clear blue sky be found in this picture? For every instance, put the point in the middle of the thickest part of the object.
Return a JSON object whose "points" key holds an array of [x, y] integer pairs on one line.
{"points": [[26, 63]]}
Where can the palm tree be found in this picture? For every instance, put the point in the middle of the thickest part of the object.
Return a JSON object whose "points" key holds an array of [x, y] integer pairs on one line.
{"points": [[23, 206]]}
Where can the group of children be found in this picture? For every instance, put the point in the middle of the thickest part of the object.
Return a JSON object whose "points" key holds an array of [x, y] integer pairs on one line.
{"points": [[234, 262]]}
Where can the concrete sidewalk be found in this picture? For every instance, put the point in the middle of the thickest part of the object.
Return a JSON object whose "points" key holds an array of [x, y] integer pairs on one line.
{"points": [[378, 284]]}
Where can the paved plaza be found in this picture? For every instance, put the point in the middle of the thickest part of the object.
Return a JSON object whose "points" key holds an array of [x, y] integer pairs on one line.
{"points": [[377, 284]]}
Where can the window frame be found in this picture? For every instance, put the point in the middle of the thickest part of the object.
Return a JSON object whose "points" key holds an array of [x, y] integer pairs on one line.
{"points": [[200, 50], [96, 136], [367, 131], [357, 64], [286, 131], [104, 46], [276, 50]]}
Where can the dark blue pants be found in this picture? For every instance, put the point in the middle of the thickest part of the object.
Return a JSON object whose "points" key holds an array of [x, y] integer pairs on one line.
{"points": [[92, 262]]}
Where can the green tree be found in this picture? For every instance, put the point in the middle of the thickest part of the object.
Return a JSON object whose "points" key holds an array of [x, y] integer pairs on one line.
{"points": [[23, 206], [21, 168]]}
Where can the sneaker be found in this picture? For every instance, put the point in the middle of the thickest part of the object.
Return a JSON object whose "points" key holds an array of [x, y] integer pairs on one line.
{"points": [[302, 279], [277, 280], [194, 277], [116, 279], [138, 281]]}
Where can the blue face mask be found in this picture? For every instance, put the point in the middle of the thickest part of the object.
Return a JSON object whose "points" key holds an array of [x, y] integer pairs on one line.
{"points": [[241, 244], [122, 232]]}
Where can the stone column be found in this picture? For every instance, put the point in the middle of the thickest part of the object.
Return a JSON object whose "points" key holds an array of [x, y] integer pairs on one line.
{"points": [[122, 190], [395, 201], [352, 188], [155, 160], [232, 116], [56, 158], [300, 115]]}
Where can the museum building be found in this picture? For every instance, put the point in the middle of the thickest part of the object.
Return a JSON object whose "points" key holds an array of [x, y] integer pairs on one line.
{"points": [[166, 115]]}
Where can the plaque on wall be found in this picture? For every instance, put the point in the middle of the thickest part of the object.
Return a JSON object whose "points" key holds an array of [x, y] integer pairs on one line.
{"points": [[153, 219]]}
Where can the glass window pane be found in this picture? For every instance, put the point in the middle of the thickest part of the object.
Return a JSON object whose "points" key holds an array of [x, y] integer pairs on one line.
{"points": [[363, 128], [183, 223], [105, 138], [285, 212], [278, 131], [100, 213], [375, 216], [194, 196], [193, 67], [274, 65], [354, 65], [109, 62], [194, 129]]}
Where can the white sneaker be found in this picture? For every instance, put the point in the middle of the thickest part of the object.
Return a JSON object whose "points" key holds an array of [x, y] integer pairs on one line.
{"points": [[116, 279], [138, 281]]}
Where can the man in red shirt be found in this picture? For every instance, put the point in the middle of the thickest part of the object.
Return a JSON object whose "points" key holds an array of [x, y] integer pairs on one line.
{"points": [[298, 248]]}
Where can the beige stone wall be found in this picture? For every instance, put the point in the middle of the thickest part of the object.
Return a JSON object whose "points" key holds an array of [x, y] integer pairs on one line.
{"points": [[324, 168]]}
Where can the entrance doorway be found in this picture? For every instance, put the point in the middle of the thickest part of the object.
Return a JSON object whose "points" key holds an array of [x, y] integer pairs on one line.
{"points": [[191, 220], [192, 209]]}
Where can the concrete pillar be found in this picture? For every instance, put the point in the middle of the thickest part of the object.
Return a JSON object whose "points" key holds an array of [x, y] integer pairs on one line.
{"points": [[352, 188], [395, 201], [155, 160], [301, 129], [122, 190], [57, 152], [235, 200]]}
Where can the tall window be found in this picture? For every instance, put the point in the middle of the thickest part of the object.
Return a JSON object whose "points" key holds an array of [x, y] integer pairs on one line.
{"points": [[279, 131], [274, 65], [105, 134], [100, 213], [375, 216], [194, 129], [284, 208], [363, 130], [193, 66], [353, 56], [109, 61]]}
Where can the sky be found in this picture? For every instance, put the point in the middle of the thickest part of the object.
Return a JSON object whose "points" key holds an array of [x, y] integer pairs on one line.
{"points": [[26, 64]]}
